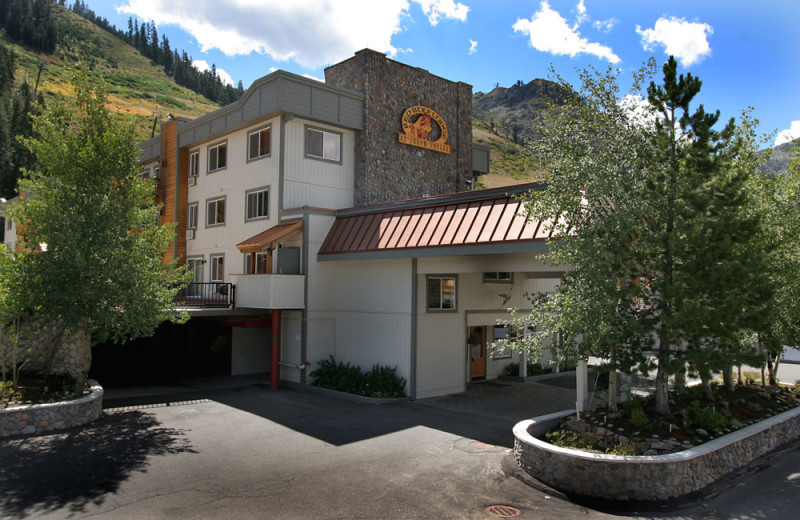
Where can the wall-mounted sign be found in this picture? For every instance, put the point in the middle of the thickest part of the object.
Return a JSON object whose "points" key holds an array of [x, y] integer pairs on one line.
{"points": [[418, 125]]}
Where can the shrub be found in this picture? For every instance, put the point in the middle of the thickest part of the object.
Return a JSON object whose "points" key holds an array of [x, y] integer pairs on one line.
{"points": [[751, 377], [628, 449], [754, 407], [639, 418], [797, 386], [708, 418], [381, 381], [567, 439]]}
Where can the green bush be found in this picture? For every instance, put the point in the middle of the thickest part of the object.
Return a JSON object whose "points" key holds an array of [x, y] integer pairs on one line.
{"points": [[639, 418], [751, 377], [567, 439], [381, 381], [708, 418], [628, 449]]}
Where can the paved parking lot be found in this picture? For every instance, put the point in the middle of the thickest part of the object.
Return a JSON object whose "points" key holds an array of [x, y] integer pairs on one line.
{"points": [[248, 452]]}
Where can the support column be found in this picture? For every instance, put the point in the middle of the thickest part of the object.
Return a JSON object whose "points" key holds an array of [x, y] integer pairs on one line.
{"points": [[275, 357], [581, 385]]}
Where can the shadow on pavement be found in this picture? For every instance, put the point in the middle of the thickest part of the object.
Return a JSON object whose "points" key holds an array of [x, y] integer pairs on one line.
{"points": [[80, 466]]}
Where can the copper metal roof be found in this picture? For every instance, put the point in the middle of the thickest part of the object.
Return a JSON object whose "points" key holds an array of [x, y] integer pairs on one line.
{"points": [[471, 219], [262, 240]]}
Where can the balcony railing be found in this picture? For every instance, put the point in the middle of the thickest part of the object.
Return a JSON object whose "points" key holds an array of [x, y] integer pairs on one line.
{"points": [[207, 295]]}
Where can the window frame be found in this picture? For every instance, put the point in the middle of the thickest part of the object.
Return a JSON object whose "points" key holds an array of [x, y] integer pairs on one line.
{"points": [[247, 256], [213, 260], [268, 129], [510, 278], [208, 213], [194, 163], [216, 146], [440, 307], [264, 189], [189, 207], [323, 131]]}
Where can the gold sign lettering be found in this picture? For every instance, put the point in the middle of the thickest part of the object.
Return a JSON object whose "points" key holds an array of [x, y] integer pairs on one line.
{"points": [[417, 127]]}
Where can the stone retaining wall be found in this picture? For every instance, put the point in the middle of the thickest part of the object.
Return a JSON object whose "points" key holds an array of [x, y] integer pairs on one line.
{"points": [[72, 357], [38, 418], [655, 477]]}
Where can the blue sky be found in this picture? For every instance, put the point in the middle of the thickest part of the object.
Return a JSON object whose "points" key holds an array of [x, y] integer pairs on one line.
{"points": [[745, 52]]}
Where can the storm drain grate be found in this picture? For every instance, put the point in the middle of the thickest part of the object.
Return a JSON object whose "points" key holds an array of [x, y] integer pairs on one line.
{"points": [[503, 511]]}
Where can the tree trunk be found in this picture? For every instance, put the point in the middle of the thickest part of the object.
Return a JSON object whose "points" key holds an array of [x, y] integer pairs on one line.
{"points": [[662, 380], [727, 377], [739, 374], [768, 356], [707, 386], [680, 380], [612, 390]]}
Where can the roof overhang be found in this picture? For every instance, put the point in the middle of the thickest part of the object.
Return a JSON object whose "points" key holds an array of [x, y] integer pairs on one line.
{"points": [[266, 239]]}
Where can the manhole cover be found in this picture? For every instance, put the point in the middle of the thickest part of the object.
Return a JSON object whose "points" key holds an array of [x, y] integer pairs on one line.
{"points": [[503, 511]]}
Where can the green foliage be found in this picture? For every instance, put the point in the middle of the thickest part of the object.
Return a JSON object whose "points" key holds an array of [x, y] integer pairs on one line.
{"points": [[534, 369], [797, 386], [6, 389], [751, 377], [380, 381], [707, 418], [639, 418], [568, 439], [91, 252], [628, 449], [754, 407], [657, 224]]}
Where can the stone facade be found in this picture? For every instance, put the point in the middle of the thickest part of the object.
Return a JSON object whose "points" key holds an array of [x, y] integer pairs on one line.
{"points": [[386, 169], [39, 418], [73, 355], [658, 477]]}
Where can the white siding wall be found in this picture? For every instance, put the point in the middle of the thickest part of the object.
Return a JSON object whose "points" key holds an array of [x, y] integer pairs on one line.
{"points": [[251, 348], [316, 183], [358, 311], [233, 182], [443, 364]]}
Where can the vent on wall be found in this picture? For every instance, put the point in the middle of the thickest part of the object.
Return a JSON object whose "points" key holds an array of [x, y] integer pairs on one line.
{"points": [[190, 234], [192, 180]]}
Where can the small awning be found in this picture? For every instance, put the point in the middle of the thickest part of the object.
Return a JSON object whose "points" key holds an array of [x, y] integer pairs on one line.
{"points": [[265, 239]]}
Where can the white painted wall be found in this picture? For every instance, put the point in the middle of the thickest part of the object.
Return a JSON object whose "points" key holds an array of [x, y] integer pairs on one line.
{"points": [[313, 182], [251, 350], [233, 182], [443, 363]]}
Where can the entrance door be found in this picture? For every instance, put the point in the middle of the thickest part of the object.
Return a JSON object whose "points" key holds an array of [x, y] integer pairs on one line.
{"points": [[476, 341]]}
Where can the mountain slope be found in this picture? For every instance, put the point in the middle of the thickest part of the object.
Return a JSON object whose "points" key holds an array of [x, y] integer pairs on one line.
{"points": [[135, 86]]}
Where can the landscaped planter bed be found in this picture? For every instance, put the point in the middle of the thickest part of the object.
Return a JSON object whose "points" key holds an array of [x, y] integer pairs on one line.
{"points": [[645, 478], [38, 418]]}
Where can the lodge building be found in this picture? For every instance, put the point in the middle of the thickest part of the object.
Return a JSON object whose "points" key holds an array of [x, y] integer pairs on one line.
{"points": [[338, 219]]}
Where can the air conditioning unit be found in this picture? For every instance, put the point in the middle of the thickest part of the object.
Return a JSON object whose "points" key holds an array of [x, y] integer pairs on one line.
{"points": [[192, 181], [190, 234]]}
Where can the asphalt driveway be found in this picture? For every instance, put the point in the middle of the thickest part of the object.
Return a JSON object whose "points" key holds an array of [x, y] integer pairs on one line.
{"points": [[249, 452]]}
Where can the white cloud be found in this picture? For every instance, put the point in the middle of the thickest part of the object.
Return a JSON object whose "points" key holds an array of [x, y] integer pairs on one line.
{"points": [[310, 32], [549, 32], [473, 47], [788, 135], [224, 77], [605, 25], [581, 17], [309, 76], [687, 41], [639, 110], [433, 9]]}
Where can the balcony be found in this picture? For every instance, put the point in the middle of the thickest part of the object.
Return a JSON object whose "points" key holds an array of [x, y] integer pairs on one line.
{"points": [[207, 295], [270, 291]]}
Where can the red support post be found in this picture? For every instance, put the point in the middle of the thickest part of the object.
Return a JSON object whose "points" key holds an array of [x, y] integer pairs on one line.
{"points": [[274, 370]]}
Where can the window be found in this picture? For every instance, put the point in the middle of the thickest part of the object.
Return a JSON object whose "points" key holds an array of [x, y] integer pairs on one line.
{"points": [[257, 204], [258, 144], [194, 163], [441, 293], [145, 173], [191, 217], [217, 268], [323, 145], [215, 212], [260, 263], [217, 157], [501, 350], [157, 172], [497, 277]]}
